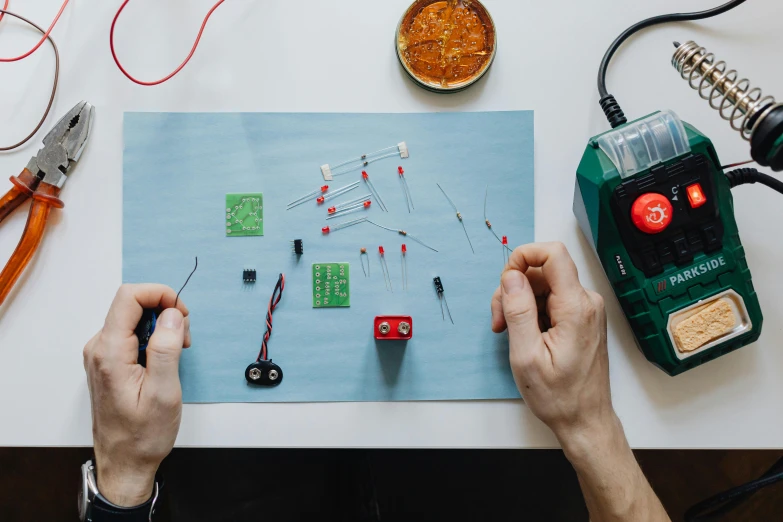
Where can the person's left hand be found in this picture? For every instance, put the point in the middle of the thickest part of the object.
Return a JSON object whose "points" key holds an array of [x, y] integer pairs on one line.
{"points": [[136, 411]]}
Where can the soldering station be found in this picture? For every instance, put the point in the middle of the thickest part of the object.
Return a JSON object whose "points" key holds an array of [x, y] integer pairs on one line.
{"points": [[651, 197], [655, 202]]}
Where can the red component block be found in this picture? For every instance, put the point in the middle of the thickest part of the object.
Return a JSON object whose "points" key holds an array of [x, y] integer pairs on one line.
{"points": [[393, 327]]}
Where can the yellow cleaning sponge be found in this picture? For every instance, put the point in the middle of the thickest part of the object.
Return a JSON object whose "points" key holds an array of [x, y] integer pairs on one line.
{"points": [[710, 323]]}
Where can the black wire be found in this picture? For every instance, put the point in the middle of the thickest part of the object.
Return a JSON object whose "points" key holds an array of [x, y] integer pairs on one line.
{"points": [[749, 176], [655, 20], [713, 508], [176, 302], [609, 105]]}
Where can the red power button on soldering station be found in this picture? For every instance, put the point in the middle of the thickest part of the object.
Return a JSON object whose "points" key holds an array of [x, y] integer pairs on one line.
{"points": [[652, 213]]}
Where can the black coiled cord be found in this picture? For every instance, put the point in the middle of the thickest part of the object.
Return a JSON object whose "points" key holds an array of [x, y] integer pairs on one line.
{"points": [[749, 176], [613, 112]]}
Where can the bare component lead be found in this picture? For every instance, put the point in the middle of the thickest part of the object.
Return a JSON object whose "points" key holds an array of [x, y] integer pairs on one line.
{"points": [[403, 233], [362, 161], [325, 230], [305, 198], [459, 217], [362, 254], [406, 190], [352, 208], [442, 298], [340, 206], [489, 225], [339, 192], [375, 193], [385, 268]]}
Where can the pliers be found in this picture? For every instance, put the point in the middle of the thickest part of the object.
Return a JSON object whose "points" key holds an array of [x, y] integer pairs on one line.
{"points": [[42, 180]]}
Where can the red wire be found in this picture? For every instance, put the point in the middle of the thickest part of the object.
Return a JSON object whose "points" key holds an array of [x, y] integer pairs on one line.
{"points": [[45, 36], [276, 296], [182, 65], [5, 8]]}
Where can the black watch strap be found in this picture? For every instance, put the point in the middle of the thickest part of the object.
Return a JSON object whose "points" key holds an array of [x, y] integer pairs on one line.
{"points": [[104, 511]]}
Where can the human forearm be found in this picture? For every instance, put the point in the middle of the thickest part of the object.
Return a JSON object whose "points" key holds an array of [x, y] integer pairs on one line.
{"points": [[124, 485], [559, 358], [136, 410], [614, 487]]}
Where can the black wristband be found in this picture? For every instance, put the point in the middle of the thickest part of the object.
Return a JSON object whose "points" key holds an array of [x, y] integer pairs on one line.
{"points": [[104, 511]]}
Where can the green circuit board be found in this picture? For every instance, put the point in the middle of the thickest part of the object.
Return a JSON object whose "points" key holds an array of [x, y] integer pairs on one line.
{"points": [[244, 215], [331, 285]]}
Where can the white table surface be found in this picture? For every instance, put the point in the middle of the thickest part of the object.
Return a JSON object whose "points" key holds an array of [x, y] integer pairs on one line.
{"points": [[279, 55]]}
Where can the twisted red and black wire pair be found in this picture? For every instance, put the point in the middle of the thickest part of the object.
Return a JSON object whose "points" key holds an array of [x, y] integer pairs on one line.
{"points": [[276, 295]]}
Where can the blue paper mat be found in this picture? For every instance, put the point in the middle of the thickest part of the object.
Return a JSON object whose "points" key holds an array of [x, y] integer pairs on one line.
{"points": [[178, 169]]}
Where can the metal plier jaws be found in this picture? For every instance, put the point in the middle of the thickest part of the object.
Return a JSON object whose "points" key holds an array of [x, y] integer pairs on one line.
{"points": [[42, 181]]}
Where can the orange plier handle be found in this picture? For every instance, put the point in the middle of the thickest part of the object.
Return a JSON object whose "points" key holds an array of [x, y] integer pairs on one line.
{"points": [[24, 187], [45, 197]]}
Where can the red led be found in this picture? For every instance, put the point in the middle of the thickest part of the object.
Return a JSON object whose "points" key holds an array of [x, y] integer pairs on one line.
{"points": [[325, 230], [331, 210], [367, 204], [324, 188], [404, 248], [696, 195], [399, 169], [380, 249], [505, 240], [320, 200], [364, 174]]}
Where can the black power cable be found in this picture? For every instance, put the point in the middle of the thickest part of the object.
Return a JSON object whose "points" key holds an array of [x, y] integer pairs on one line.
{"points": [[608, 103], [749, 176], [714, 508]]}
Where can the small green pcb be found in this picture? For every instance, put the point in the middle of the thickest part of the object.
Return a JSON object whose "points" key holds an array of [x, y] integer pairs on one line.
{"points": [[331, 285], [244, 215]]}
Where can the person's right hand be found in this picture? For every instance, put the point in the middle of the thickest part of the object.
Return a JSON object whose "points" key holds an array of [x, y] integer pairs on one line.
{"points": [[135, 410], [557, 340]]}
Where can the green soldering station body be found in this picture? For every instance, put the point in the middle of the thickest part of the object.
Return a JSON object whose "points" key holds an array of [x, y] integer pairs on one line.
{"points": [[653, 202]]}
